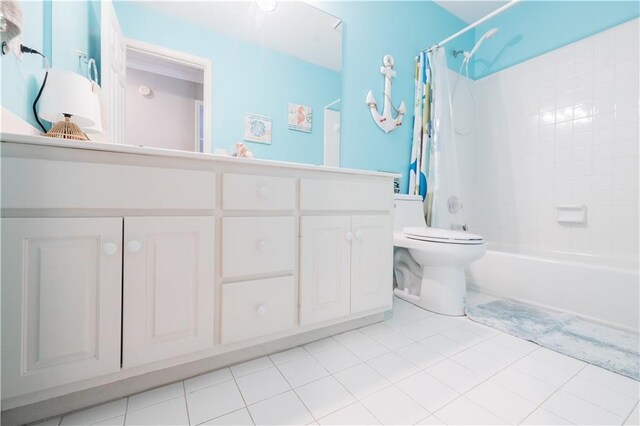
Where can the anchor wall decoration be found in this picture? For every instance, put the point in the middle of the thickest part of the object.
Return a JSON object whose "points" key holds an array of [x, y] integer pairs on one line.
{"points": [[385, 120]]}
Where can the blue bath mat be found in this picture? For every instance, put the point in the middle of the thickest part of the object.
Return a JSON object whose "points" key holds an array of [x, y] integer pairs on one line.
{"points": [[607, 347]]}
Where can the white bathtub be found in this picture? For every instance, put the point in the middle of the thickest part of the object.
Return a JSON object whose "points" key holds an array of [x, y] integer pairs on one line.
{"points": [[604, 290]]}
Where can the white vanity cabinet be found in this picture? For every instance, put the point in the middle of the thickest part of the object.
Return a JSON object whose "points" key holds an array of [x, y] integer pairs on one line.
{"points": [[325, 268], [259, 253], [61, 295], [62, 282], [121, 261], [345, 260], [345, 265], [257, 308], [168, 301], [258, 245], [371, 269]]}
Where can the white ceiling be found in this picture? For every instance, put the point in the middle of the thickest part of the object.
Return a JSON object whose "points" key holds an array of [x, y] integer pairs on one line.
{"points": [[144, 61], [470, 11], [295, 28]]}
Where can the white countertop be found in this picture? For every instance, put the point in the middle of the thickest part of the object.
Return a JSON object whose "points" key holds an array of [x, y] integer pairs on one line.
{"points": [[161, 152]]}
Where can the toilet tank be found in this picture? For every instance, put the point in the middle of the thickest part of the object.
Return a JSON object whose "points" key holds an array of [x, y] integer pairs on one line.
{"points": [[407, 211]]}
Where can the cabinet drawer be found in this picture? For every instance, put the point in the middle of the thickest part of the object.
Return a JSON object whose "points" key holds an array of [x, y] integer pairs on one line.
{"points": [[51, 184], [321, 194], [256, 308], [254, 245], [251, 192]]}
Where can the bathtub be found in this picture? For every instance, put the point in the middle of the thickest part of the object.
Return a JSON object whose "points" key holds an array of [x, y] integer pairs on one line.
{"points": [[600, 289]]}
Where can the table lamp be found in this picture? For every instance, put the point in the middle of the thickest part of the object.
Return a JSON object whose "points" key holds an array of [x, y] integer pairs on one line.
{"points": [[67, 101]]}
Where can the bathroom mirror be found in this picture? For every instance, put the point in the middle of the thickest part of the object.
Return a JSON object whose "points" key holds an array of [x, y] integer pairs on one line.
{"points": [[266, 74]]}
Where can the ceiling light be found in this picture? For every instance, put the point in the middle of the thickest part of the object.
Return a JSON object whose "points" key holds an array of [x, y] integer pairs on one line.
{"points": [[267, 5]]}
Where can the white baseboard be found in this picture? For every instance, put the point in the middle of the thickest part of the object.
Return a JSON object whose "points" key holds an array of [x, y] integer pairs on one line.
{"points": [[11, 123]]}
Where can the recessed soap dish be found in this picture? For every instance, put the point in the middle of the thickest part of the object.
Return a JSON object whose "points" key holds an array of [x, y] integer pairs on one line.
{"points": [[571, 213]]}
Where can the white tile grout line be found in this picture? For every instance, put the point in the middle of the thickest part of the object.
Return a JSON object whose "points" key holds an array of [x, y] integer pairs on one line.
{"points": [[362, 361], [150, 405], [558, 388], [391, 383], [498, 384], [555, 392], [292, 388], [590, 402], [329, 375], [486, 379], [186, 403], [126, 411], [626, 419], [241, 395], [332, 375]]}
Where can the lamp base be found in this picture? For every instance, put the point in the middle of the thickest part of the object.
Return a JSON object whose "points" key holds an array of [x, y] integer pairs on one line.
{"points": [[65, 129]]}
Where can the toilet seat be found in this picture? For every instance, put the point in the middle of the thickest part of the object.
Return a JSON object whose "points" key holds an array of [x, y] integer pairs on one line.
{"points": [[436, 235]]}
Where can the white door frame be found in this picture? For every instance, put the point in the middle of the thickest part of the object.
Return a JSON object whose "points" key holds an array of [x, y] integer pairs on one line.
{"points": [[112, 74], [199, 105], [189, 60]]}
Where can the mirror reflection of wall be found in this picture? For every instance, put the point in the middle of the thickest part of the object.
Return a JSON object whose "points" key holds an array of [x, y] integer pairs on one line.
{"points": [[164, 99], [261, 61]]}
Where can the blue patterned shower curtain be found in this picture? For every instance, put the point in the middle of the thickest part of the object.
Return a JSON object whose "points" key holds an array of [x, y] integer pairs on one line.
{"points": [[421, 148], [434, 168]]}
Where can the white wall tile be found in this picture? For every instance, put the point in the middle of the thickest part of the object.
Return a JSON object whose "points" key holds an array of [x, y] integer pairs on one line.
{"points": [[564, 124]]}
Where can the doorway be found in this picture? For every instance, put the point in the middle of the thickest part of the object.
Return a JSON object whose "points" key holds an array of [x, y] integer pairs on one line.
{"points": [[332, 134], [167, 98]]}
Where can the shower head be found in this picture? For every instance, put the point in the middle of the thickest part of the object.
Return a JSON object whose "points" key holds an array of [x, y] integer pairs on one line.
{"points": [[485, 36], [490, 33]]}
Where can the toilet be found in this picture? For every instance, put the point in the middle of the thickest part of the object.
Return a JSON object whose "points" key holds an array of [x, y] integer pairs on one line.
{"points": [[437, 262]]}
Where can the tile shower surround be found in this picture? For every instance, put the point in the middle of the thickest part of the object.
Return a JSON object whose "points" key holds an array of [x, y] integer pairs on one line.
{"points": [[559, 129]]}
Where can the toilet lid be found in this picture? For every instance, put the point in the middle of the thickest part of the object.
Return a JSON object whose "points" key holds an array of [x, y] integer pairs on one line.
{"points": [[442, 235]]}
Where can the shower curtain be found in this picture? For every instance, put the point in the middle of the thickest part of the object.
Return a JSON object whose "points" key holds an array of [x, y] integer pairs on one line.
{"points": [[434, 171], [421, 128]]}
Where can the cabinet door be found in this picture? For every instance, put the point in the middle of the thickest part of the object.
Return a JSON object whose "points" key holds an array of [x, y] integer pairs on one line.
{"points": [[371, 263], [168, 287], [325, 266], [61, 295]]}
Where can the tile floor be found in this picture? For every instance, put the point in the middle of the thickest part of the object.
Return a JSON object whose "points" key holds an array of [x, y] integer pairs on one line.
{"points": [[414, 368]]}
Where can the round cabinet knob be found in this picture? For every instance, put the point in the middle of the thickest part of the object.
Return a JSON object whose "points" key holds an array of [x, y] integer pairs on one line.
{"points": [[358, 235], [263, 192], [349, 236], [134, 246], [263, 245], [262, 309], [109, 249]]}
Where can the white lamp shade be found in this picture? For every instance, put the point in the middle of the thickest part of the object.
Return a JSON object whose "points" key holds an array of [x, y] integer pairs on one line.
{"points": [[97, 115], [67, 93]]}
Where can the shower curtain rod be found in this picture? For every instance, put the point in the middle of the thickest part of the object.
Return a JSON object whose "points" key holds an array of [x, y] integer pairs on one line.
{"points": [[472, 26]]}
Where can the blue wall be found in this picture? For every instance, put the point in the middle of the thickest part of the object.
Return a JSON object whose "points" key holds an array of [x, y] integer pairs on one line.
{"points": [[20, 79], [246, 79], [75, 25], [532, 28], [57, 29], [371, 30]]}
